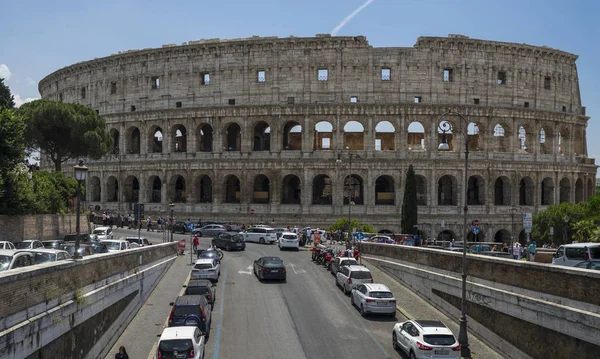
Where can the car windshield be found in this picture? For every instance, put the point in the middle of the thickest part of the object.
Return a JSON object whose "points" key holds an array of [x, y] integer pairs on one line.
{"points": [[439, 339], [270, 231], [360, 275], [43, 257], [237, 238], [203, 266], [100, 231], [196, 290], [22, 245], [185, 310], [96, 248], [48, 244], [113, 245], [595, 252], [381, 295], [208, 254], [175, 345], [289, 236], [5, 262], [272, 263], [349, 262]]}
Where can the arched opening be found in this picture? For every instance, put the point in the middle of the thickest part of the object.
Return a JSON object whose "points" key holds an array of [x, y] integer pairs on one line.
{"points": [[322, 193], [526, 191], [565, 190], [444, 130], [323, 136], [500, 138], [475, 141], [114, 134], [178, 189], [544, 140], [547, 192], [502, 192], [578, 190], [262, 189], [353, 190], [232, 189], [384, 191], [416, 137], [233, 138], [262, 137], [112, 189], [132, 189], [476, 191], [421, 185], [578, 142], [523, 238], [290, 190], [354, 136], [179, 136], [384, 136], [155, 189], [96, 189], [447, 191], [446, 236], [525, 139], [563, 141], [292, 136], [502, 236], [204, 189], [205, 138], [590, 188], [155, 142], [133, 140]]}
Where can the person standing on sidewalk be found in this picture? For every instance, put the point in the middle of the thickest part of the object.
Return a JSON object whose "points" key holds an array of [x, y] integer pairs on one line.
{"points": [[196, 243], [532, 248], [122, 354]]}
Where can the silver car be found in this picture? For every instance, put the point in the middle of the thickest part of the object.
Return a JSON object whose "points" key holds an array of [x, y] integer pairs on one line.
{"points": [[210, 230]]}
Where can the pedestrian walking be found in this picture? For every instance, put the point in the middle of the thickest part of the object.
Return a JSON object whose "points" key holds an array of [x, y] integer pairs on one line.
{"points": [[122, 354], [196, 243], [532, 249]]}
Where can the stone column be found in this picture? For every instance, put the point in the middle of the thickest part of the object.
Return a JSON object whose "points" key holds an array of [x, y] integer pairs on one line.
{"points": [[276, 137], [369, 139], [166, 147], [164, 198], [338, 134], [102, 188], [400, 135], [306, 191]]}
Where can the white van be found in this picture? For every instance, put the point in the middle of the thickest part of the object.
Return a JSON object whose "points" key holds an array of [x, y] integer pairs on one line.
{"points": [[261, 235], [571, 254]]}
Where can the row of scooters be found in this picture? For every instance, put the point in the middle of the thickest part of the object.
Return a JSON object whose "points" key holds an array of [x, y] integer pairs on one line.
{"points": [[324, 256]]}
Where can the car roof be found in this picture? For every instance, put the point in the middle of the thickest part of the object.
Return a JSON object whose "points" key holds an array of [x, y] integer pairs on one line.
{"points": [[200, 283], [358, 268], [41, 250], [132, 238], [190, 300], [29, 240], [102, 228], [271, 258], [178, 333], [347, 258], [7, 252], [52, 240], [204, 260], [432, 327], [377, 287], [292, 233], [112, 240], [577, 245]]}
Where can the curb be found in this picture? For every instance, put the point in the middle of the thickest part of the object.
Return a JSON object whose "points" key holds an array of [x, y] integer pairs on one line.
{"points": [[398, 308]]}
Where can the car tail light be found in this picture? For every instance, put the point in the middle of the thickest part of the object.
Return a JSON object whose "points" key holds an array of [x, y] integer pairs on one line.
{"points": [[203, 316], [159, 356], [456, 348], [371, 280], [191, 355], [369, 300], [283, 269], [171, 315], [263, 269], [209, 296], [393, 301], [349, 280], [423, 346]]}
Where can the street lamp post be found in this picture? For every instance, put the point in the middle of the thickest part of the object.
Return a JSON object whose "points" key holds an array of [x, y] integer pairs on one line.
{"points": [[171, 205], [80, 172], [445, 127]]}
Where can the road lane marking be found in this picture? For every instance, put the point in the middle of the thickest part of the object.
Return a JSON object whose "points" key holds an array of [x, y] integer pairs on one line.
{"points": [[300, 270], [248, 271], [218, 338]]}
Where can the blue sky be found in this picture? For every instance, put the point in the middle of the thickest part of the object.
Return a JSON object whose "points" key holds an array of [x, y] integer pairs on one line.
{"points": [[39, 37]]}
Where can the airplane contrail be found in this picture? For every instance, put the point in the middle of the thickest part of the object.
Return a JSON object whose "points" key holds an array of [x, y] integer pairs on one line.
{"points": [[349, 17]]}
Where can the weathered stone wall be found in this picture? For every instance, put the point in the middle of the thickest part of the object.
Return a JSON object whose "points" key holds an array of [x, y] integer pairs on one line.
{"points": [[40, 226]]}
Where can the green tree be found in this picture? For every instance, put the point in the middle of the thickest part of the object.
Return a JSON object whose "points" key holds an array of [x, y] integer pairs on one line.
{"points": [[17, 196], [7, 100], [409, 204], [562, 217], [12, 147], [341, 223], [65, 130], [52, 191]]}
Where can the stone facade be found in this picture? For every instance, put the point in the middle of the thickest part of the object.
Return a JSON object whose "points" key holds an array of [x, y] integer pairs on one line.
{"points": [[297, 128]]}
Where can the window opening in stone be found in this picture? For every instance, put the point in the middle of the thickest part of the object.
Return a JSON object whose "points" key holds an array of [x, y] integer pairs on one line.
{"points": [[231, 101], [501, 78], [547, 192], [542, 136], [292, 136], [155, 189], [232, 190], [473, 135], [448, 75], [416, 137], [501, 142], [291, 100], [526, 104], [133, 145], [60, 97], [83, 93], [96, 189], [155, 82], [262, 189], [353, 99], [447, 191], [322, 190], [114, 134], [386, 74], [132, 189], [180, 139], [421, 185], [204, 188], [178, 188], [526, 192], [132, 108], [113, 88], [476, 191], [178, 104], [98, 112], [261, 76], [578, 190], [384, 191], [565, 190], [418, 99], [291, 190], [112, 189], [354, 136], [353, 190], [262, 137], [323, 136], [384, 136], [233, 138], [206, 78], [205, 138], [476, 101], [547, 82], [323, 74], [157, 141], [564, 109], [502, 191]]}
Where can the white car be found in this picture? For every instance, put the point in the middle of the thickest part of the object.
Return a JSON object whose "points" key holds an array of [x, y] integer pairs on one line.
{"points": [[11, 259], [103, 233], [350, 277], [206, 268], [42, 255], [425, 339], [572, 254], [7, 245], [261, 235], [116, 245], [181, 342], [373, 299], [29, 244], [289, 240]]}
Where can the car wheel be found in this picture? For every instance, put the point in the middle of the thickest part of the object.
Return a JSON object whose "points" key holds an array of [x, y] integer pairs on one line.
{"points": [[362, 311], [352, 300], [412, 355], [199, 234], [280, 248], [345, 289], [394, 340], [228, 248], [261, 241]]}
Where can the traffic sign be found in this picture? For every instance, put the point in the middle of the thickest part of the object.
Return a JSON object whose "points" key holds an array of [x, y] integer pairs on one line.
{"points": [[251, 211], [475, 230], [551, 231], [360, 236], [527, 222], [476, 222]]}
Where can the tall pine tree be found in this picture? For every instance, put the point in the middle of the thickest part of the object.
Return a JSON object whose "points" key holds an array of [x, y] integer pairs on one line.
{"points": [[7, 100], [409, 204]]}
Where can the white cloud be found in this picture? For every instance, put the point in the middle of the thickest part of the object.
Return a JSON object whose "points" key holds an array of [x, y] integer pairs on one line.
{"points": [[19, 101], [30, 81], [5, 72]]}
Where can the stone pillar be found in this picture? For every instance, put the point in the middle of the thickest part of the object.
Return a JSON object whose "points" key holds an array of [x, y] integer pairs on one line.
{"points": [[432, 195], [369, 139], [306, 191], [164, 198], [102, 188], [191, 135], [401, 134], [275, 183], [308, 137], [276, 138], [246, 137], [166, 127], [369, 188], [143, 188], [338, 134]]}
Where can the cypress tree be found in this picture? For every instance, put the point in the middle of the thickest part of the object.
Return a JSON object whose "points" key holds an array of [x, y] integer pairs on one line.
{"points": [[409, 204]]}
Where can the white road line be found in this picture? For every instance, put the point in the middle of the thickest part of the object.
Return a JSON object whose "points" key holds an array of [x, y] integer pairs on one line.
{"points": [[248, 271], [300, 270]]}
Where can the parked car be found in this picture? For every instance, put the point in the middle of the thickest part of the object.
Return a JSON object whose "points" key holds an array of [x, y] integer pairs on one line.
{"points": [[84, 249], [47, 255], [53, 244], [289, 240], [349, 277], [270, 268], [279, 232], [83, 237], [479, 248], [261, 235], [12, 259], [206, 268], [233, 228], [422, 338], [498, 254], [103, 233], [202, 287], [135, 242], [115, 245], [210, 230], [573, 254], [191, 310], [98, 247], [209, 254], [181, 342], [7, 245], [29, 244], [373, 299], [339, 262], [229, 241], [381, 239], [595, 264], [180, 227]]}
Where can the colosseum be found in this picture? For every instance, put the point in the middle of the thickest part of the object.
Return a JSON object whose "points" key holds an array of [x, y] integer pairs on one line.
{"points": [[304, 131]]}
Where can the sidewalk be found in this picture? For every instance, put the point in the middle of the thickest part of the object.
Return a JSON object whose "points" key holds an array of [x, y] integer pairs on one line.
{"points": [[141, 334], [412, 306]]}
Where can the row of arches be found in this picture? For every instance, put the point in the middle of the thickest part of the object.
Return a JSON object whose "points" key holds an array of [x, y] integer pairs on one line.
{"points": [[497, 139], [353, 189]]}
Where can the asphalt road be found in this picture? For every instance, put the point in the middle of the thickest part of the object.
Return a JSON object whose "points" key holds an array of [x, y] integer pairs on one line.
{"points": [[306, 317]]}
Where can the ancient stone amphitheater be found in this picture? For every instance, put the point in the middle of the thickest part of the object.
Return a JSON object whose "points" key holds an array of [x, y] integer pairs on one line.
{"points": [[303, 131]]}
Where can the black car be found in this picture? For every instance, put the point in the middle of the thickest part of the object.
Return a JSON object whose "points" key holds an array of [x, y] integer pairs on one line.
{"points": [[53, 244], [191, 310], [83, 237], [84, 249], [202, 287], [180, 227], [229, 241], [270, 268], [99, 247]]}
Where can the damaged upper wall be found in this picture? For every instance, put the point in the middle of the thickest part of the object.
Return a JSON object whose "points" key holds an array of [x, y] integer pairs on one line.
{"points": [[323, 69]]}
